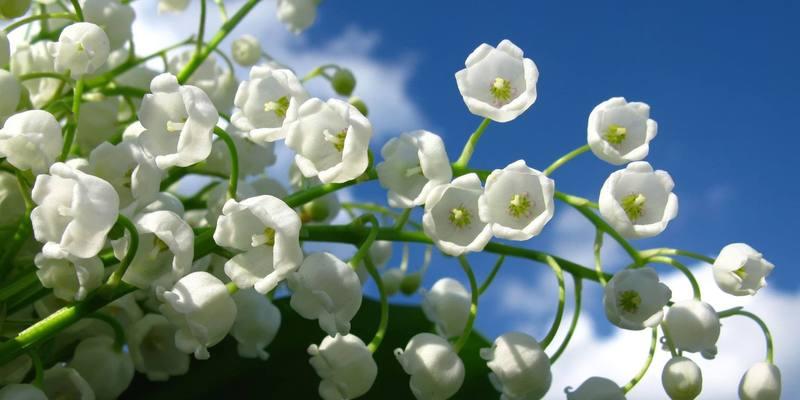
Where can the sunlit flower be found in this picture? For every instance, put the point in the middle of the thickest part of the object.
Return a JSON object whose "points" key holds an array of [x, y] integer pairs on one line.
{"points": [[151, 341], [31, 140], [436, 370], [451, 217], [257, 323], [682, 379], [761, 382], [215, 81], [620, 132], [30, 58], [741, 270], [108, 370], [114, 16], [447, 306], [82, 48], [693, 327], [246, 50], [520, 368], [345, 366], [596, 388], [635, 299], [414, 163], [297, 15], [70, 278], [127, 168]]}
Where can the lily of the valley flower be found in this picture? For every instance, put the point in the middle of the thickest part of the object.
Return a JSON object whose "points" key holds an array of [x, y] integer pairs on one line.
{"points": [[761, 382], [620, 132], [451, 216], [447, 306], [29, 58], [741, 270], [12, 90], [108, 370], [345, 366], [257, 323], [151, 341], [71, 278], [21, 391], [82, 48], [414, 163], [31, 140], [62, 382], [115, 17], [693, 327], [436, 370], [634, 299], [127, 168], [498, 83], [517, 202], [520, 368], [215, 81], [682, 379], [297, 15], [637, 201], [596, 388], [246, 50]]}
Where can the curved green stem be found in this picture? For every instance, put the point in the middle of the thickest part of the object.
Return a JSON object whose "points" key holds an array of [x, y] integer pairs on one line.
{"points": [[402, 219], [473, 305], [72, 128], [119, 331], [16, 24], [677, 252], [627, 388], [39, 75], [551, 334], [124, 67], [363, 248], [573, 324], [384, 321], [201, 30], [38, 368], [764, 328], [469, 147], [233, 179], [78, 11], [223, 14], [133, 245], [668, 339], [566, 158], [492, 274], [371, 207], [679, 266], [304, 196], [598, 259]]}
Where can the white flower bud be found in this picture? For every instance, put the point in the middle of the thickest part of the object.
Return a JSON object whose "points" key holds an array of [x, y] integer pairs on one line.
{"points": [[254, 157], [634, 299], [246, 50], [498, 83], [172, 6], [345, 366], [31, 140], [297, 15], [257, 323], [116, 19], [447, 305], [15, 370], [682, 379], [82, 48], [620, 132], [451, 217], [151, 341], [127, 168], [693, 327], [12, 90], [61, 382], [596, 388], [203, 311], [414, 163], [29, 58], [18, 391], [71, 278], [761, 382], [109, 371], [326, 289], [520, 368], [741, 270], [11, 201], [637, 201], [436, 370], [217, 82]]}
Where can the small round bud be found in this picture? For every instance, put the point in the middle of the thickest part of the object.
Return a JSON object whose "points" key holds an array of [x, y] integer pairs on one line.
{"points": [[392, 279], [246, 50], [410, 283], [316, 210], [682, 379], [359, 104], [10, 9], [343, 82], [761, 382]]}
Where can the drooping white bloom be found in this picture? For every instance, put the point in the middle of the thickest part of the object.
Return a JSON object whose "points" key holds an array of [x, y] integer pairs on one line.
{"points": [[82, 48], [637, 201], [447, 306], [257, 323], [682, 379], [451, 216], [11, 201], [151, 341], [71, 278], [61, 382], [108, 370], [741, 270], [414, 163], [436, 370], [97, 122], [116, 19], [29, 58], [15, 370], [178, 121], [517, 202], [172, 6], [127, 168], [331, 140], [5, 49], [267, 231], [498, 83], [217, 82], [246, 50], [761, 382], [620, 132], [693, 327], [74, 212], [254, 157], [18, 391], [520, 368], [328, 290], [297, 15], [345, 366], [634, 299], [12, 90], [31, 140], [202, 309], [596, 388], [263, 103]]}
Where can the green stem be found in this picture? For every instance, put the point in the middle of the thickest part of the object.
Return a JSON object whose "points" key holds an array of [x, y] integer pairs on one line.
{"points": [[69, 137], [201, 30], [770, 358], [363, 248], [551, 334], [668, 339], [10, 27], [222, 12], [469, 147], [573, 324], [679, 266], [677, 252], [299, 198], [39, 75], [384, 321], [473, 305], [627, 388], [371, 207], [38, 376], [119, 331], [233, 179], [400, 222], [18, 286], [598, 259], [78, 11], [124, 67], [565, 159], [492, 274], [133, 245]]}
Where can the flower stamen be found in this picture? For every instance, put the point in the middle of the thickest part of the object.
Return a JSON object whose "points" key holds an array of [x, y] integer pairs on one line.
{"points": [[633, 204], [615, 134], [629, 301], [501, 90], [337, 140], [278, 106], [413, 171], [741, 273], [520, 205], [460, 217]]}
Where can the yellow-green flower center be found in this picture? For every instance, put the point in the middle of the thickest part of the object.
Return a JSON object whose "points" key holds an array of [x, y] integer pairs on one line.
{"points": [[615, 134], [279, 106], [741, 273], [501, 89], [629, 301], [633, 204], [520, 205], [270, 235], [337, 139], [460, 217]]}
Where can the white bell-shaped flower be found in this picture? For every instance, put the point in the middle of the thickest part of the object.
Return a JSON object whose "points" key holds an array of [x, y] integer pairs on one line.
{"points": [[12, 90], [74, 212], [451, 217], [263, 103], [693, 327], [257, 323], [218, 196], [178, 121], [203, 311], [267, 231], [60, 382], [82, 48], [246, 50], [447, 305], [217, 82], [11, 201], [596, 388], [108, 370], [15, 370], [29, 58], [297, 15], [328, 290], [19, 391], [741, 270], [254, 157], [115, 17], [151, 341], [127, 168], [761, 382], [97, 122], [331, 140], [5, 49], [637, 201], [634, 299], [436, 370], [71, 278], [498, 83], [520, 368], [31, 140], [620, 132], [172, 6], [682, 379], [414, 163], [517, 202], [345, 366]]}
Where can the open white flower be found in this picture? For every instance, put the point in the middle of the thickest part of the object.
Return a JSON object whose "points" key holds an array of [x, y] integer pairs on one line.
{"points": [[82, 48], [108, 370], [127, 168], [328, 290], [436, 370], [414, 163], [11, 201], [178, 121], [345, 366], [682, 379], [257, 323], [71, 278], [246, 50], [693, 327], [17, 391], [268, 233], [447, 306], [297, 15], [498, 83], [451, 216], [115, 17], [31, 140], [634, 299], [151, 341], [254, 157], [172, 6], [520, 368], [217, 82], [97, 122], [637, 201], [331, 140], [263, 103], [74, 212], [517, 202], [620, 132], [12, 90], [202, 309], [29, 58], [596, 388], [61, 382], [761, 382], [741, 270]]}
